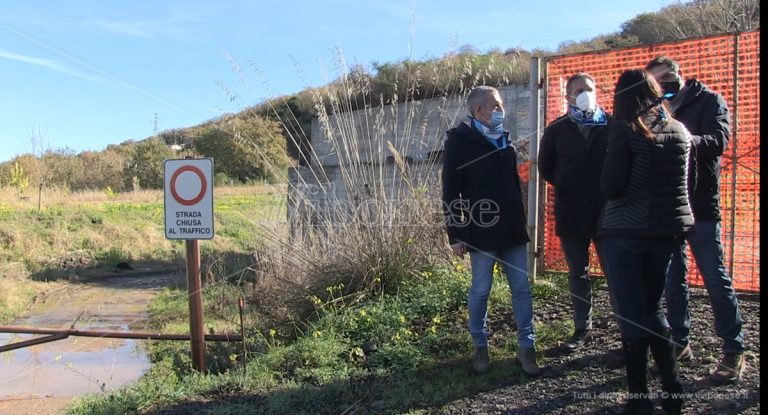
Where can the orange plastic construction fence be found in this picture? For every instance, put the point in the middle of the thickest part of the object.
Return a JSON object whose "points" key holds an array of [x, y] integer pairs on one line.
{"points": [[728, 64]]}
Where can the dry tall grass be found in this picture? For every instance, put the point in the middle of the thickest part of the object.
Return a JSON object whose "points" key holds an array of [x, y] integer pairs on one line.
{"points": [[381, 221], [10, 198], [64, 197]]}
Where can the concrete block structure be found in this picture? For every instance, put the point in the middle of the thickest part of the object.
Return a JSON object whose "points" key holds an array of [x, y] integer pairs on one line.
{"points": [[352, 159]]}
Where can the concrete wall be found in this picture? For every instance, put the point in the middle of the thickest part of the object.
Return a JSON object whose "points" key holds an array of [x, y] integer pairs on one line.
{"points": [[352, 161], [415, 128]]}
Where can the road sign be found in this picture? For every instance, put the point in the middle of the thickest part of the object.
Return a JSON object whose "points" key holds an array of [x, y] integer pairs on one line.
{"points": [[189, 199], [189, 215]]}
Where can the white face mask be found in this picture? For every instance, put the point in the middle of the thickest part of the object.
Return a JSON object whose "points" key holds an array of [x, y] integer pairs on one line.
{"points": [[586, 101]]}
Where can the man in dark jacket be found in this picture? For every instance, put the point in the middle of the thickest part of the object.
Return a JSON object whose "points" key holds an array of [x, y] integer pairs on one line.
{"points": [[571, 156], [705, 114], [485, 217]]}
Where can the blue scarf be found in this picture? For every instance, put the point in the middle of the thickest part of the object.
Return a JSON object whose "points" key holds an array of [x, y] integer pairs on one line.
{"points": [[496, 136], [597, 117]]}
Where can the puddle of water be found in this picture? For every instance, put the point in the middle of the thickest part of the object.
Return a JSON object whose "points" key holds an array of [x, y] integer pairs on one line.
{"points": [[69, 367], [77, 365]]}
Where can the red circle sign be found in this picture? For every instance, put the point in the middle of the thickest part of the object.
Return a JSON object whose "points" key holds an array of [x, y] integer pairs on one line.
{"points": [[203, 187]]}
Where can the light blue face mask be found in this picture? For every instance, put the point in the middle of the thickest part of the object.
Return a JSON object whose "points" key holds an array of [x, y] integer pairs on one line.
{"points": [[497, 118]]}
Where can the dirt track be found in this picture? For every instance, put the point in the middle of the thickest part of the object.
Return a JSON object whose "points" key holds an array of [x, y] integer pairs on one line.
{"points": [[43, 379]]}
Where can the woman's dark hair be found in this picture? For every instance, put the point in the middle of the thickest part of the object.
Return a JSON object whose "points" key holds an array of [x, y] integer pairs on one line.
{"points": [[637, 94]]}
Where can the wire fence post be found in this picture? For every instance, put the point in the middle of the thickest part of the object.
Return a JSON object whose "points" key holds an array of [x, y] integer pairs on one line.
{"points": [[533, 176], [734, 155], [543, 190]]}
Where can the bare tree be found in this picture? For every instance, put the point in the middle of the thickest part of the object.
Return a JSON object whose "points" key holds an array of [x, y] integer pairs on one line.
{"points": [[741, 15], [707, 17], [40, 147]]}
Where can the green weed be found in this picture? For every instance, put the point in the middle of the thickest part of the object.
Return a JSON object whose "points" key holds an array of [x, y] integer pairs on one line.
{"points": [[403, 352]]}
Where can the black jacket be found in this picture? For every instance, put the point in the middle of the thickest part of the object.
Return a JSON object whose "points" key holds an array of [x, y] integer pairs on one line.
{"points": [[645, 183], [481, 192], [573, 165], [705, 114]]}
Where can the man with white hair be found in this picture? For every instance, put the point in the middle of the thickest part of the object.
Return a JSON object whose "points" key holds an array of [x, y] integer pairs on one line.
{"points": [[485, 217]]}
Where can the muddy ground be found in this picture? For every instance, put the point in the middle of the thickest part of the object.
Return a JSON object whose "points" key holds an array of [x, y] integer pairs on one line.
{"points": [[43, 379]]}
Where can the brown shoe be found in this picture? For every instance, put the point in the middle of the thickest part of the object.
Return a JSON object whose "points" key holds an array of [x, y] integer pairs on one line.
{"points": [[730, 368], [527, 358]]}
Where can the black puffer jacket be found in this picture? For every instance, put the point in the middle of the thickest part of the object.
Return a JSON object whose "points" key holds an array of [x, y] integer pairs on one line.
{"points": [[645, 182], [705, 114], [573, 165], [481, 192]]}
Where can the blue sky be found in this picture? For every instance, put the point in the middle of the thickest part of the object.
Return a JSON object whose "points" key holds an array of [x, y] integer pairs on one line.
{"points": [[85, 74]]}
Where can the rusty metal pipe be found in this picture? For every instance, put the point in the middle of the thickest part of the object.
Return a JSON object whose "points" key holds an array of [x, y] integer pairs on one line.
{"points": [[241, 305], [117, 334], [32, 342]]}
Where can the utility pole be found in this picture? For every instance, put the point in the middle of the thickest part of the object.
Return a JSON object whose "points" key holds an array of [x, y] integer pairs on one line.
{"points": [[155, 134]]}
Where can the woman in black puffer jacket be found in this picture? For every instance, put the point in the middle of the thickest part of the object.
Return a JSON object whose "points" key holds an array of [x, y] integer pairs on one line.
{"points": [[645, 182]]}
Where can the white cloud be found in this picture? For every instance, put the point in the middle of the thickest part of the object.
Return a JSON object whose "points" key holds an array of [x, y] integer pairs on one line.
{"points": [[141, 29], [46, 63], [174, 24]]}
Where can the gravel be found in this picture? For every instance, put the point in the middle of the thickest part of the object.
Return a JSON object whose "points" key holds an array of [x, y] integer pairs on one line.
{"points": [[592, 380]]}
